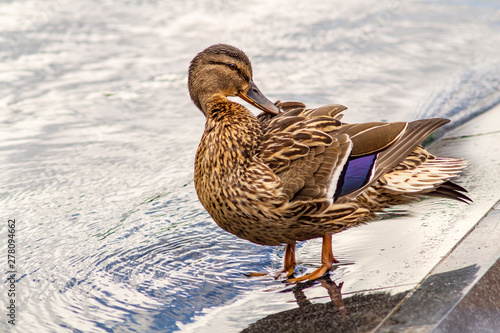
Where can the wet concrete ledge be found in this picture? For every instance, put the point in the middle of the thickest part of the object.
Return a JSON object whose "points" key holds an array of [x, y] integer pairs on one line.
{"points": [[462, 293]]}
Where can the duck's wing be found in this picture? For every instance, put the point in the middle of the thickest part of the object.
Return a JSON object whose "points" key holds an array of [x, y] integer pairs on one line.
{"points": [[304, 150], [292, 108], [317, 156]]}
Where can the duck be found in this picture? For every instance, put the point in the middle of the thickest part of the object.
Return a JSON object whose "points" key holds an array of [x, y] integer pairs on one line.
{"points": [[294, 173]]}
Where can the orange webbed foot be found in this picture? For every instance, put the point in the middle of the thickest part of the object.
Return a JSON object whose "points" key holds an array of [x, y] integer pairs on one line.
{"points": [[327, 261], [321, 271]]}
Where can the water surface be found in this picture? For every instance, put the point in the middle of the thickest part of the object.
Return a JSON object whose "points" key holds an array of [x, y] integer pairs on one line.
{"points": [[98, 136]]}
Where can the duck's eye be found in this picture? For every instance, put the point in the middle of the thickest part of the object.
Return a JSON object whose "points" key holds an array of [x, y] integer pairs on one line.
{"points": [[233, 66]]}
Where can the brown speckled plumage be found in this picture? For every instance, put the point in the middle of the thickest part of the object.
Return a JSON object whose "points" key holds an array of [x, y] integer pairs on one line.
{"points": [[253, 199], [276, 178]]}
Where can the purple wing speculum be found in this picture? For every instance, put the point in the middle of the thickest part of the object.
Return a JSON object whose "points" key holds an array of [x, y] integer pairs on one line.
{"points": [[356, 173]]}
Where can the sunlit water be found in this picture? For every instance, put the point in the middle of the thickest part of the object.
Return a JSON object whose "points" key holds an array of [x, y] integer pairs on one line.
{"points": [[98, 136]]}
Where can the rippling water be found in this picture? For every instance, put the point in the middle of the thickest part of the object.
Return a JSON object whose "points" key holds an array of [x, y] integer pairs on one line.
{"points": [[98, 135]]}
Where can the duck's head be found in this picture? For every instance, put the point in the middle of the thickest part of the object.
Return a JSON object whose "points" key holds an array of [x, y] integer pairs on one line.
{"points": [[224, 70]]}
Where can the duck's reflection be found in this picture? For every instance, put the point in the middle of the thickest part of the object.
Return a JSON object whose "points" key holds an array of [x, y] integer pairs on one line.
{"points": [[356, 313], [334, 292]]}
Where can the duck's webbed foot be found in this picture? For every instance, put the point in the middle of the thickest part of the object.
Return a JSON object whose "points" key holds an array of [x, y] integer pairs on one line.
{"points": [[327, 261]]}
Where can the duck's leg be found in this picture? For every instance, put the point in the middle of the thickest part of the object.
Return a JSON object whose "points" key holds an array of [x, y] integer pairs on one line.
{"points": [[327, 260], [289, 266]]}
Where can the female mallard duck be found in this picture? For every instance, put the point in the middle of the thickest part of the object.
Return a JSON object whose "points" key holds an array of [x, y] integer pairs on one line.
{"points": [[293, 174]]}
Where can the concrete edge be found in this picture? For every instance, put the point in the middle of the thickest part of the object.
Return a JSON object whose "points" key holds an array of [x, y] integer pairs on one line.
{"points": [[430, 305]]}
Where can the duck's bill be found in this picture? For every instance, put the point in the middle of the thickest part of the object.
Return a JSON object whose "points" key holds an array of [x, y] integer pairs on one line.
{"points": [[253, 96]]}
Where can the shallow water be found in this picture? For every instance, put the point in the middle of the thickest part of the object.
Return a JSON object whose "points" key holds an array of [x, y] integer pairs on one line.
{"points": [[98, 135]]}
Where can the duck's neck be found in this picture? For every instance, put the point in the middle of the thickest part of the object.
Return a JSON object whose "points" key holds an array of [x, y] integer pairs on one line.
{"points": [[232, 132]]}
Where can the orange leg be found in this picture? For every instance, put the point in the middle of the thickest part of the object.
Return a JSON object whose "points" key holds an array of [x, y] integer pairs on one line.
{"points": [[327, 260], [290, 263]]}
